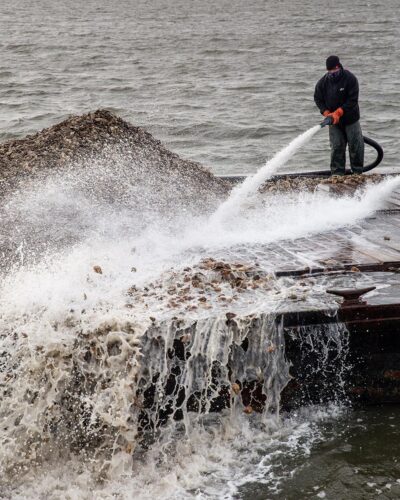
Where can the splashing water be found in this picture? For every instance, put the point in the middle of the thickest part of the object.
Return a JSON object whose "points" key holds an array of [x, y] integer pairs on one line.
{"points": [[87, 381], [250, 185]]}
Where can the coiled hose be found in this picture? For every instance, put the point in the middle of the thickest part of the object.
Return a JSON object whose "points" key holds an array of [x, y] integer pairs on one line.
{"points": [[366, 168], [379, 151], [328, 121]]}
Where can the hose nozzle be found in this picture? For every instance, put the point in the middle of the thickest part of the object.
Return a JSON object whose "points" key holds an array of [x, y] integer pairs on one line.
{"points": [[328, 121]]}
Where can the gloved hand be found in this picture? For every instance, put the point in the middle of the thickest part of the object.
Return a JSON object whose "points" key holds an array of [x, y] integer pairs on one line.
{"points": [[326, 113], [336, 115]]}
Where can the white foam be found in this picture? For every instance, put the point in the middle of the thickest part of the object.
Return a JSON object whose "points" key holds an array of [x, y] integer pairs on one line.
{"points": [[216, 462], [68, 280]]}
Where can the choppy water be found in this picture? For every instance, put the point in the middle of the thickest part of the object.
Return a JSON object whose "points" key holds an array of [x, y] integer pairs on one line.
{"points": [[353, 455], [227, 83]]}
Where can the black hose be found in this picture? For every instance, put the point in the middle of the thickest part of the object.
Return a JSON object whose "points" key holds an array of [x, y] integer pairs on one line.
{"points": [[367, 168], [379, 150]]}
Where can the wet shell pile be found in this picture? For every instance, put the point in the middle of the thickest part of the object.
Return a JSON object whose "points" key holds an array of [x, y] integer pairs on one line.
{"points": [[209, 284], [78, 138], [289, 183]]}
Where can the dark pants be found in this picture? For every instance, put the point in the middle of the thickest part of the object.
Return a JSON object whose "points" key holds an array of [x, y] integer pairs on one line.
{"points": [[339, 137]]}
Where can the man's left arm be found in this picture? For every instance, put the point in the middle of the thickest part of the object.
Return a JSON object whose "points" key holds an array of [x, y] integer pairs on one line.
{"points": [[352, 95]]}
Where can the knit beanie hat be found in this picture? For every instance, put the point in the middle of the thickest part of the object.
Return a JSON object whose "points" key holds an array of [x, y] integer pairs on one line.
{"points": [[332, 62]]}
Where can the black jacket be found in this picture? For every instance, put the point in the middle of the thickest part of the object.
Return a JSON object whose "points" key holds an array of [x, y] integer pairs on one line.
{"points": [[342, 93]]}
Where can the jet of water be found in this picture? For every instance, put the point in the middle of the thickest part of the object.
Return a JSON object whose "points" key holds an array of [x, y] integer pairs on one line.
{"points": [[232, 205]]}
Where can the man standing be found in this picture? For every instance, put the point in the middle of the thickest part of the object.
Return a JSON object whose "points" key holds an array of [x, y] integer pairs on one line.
{"points": [[336, 95]]}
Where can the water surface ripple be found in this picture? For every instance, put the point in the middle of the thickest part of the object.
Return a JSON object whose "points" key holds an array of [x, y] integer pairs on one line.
{"points": [[227, 83]]}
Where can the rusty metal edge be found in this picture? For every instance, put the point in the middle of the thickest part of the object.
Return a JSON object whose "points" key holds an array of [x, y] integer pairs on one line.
{"points": [[362, 314], [307, 271]]}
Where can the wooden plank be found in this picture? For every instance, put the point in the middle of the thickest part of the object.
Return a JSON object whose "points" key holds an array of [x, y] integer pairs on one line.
{"points": [[394, 200], [377, 239], [362, 245], [386, 266], [379, 254], [391, 206]]}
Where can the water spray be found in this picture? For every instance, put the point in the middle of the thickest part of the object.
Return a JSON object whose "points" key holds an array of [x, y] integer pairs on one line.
{"points": [[251, 184]]}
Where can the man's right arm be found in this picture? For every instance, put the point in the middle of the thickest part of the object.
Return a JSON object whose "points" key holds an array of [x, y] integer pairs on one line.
{"points": [[319, 98]]}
